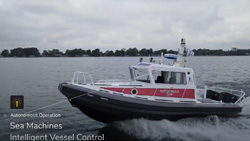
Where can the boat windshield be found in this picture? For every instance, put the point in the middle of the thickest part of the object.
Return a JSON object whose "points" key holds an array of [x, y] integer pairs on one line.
{"points": [[141, 74]]}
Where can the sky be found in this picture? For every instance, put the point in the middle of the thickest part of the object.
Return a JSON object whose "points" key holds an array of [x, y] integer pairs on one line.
{"points": [[117, 24]]}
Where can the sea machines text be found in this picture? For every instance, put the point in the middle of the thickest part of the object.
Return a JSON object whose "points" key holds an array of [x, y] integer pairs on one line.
{"points": [[31, 125]]}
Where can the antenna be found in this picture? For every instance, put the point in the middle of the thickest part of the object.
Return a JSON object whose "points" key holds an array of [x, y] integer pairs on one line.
{"points": [[161, 58]]}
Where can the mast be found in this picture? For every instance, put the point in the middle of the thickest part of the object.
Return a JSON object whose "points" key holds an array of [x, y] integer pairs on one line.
{"points": [[179, 59], [180, 56]]}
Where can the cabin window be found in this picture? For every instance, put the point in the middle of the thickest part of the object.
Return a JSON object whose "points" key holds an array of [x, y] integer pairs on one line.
{"points": [[169, 77], [141, 75], [178, 78], [159, 76]]}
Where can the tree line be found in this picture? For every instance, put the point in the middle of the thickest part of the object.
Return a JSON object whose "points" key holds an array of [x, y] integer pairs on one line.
{"points": [[220, 52], [34, 52]]}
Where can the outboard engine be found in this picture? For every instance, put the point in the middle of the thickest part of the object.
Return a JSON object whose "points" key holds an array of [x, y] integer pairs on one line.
{"points": [[222, 96]]}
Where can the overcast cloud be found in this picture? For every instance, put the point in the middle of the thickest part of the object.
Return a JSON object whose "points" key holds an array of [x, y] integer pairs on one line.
{"points": [[117, 24]]}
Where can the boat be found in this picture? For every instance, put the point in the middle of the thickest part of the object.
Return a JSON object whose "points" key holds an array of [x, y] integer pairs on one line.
{"points": [[155, 91]]}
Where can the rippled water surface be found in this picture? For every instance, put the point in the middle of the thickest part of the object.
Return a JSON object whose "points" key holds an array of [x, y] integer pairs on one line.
{"points": [[37, 79]]}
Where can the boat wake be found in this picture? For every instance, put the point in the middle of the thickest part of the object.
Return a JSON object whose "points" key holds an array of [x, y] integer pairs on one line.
{"points": [[208, 128], [246, 107]]}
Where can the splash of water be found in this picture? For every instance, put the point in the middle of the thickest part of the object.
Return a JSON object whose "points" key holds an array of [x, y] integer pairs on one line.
{"points": [[208, 128], [246, 107]]}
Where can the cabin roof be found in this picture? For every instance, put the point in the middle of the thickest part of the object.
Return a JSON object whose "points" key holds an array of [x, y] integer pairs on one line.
{"points": [[156, 66]]}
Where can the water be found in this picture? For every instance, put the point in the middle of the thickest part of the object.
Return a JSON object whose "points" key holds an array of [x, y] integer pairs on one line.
{"points": [[37, 79]]}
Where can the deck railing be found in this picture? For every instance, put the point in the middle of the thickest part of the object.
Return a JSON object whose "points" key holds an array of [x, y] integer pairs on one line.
{"points": [[75, 79], [109, 80]]}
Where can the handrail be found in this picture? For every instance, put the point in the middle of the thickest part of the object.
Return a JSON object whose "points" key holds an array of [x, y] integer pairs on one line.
{"points": [[242, 97], [75, 79], [109, 80]]}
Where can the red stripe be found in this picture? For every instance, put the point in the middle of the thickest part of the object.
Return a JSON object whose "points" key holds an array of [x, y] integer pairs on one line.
{"points": [[149, 92], [189, 93], [115, 89], [177, 93], [169, 92], [128, 90], [140, 91]]}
